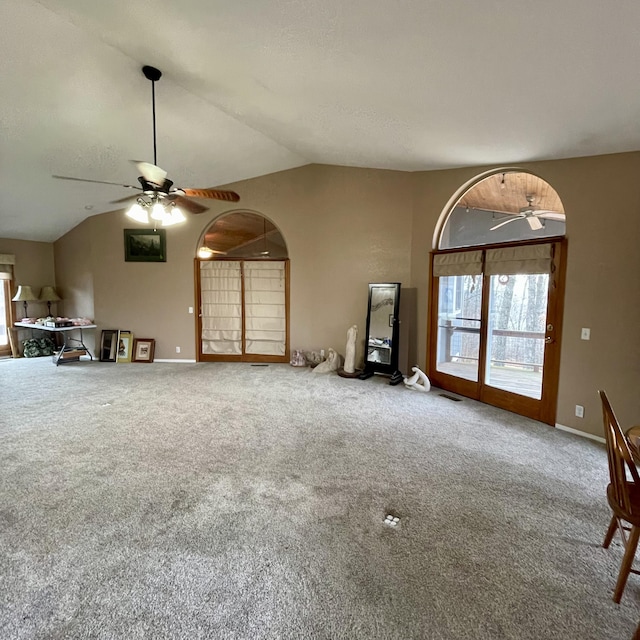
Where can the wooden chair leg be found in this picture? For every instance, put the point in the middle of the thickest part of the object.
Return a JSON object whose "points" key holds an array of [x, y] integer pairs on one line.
{"points": [[613, 525], [627, 561]]}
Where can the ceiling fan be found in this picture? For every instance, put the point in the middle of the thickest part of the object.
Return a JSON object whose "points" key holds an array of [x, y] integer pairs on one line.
{"points": [[532, 215], [159, 196]]}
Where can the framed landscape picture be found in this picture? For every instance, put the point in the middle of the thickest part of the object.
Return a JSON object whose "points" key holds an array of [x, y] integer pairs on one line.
{"points": [[143, 349], [145, 245]]}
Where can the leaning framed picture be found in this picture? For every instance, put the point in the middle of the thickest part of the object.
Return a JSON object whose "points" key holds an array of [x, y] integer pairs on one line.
{"points": [[125, 344], [143, 349], [145, 245]]}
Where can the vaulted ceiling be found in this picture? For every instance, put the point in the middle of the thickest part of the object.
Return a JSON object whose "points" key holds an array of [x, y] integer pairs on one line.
{"points": [[254, 87]]}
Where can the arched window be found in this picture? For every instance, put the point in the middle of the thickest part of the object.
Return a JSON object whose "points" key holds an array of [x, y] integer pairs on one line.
{"points": [[503, 207], [243, 234]]}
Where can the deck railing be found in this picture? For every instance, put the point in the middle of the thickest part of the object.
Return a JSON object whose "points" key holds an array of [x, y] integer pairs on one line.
{"points": [[449, 330]]}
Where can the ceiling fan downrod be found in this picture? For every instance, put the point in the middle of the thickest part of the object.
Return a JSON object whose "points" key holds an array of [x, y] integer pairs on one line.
{"points": [[153, 74]]}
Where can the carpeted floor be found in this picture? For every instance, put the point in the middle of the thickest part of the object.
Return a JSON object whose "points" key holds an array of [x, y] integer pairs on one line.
{"points": [[229, 501]]}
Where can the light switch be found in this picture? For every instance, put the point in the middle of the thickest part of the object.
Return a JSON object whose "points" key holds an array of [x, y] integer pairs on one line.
{"points": [[585, 334], [190, 309]]}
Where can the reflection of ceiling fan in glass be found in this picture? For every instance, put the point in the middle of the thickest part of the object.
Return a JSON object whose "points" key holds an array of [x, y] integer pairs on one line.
{"points": [[532, 215]]}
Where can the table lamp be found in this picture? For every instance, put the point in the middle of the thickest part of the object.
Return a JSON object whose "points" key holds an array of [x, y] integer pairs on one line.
{"points": [[49, 295], [24, 294]]}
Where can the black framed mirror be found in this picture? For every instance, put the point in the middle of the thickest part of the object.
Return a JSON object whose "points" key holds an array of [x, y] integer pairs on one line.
{"points": [[383, 331], [109, 345]]}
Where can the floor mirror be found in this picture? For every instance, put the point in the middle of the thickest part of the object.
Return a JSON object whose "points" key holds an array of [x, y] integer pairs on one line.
{"points": [[383, 330]]}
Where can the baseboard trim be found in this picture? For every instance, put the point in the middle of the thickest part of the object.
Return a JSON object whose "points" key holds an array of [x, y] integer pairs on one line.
{"points": [[584, 434], [174, 360]]}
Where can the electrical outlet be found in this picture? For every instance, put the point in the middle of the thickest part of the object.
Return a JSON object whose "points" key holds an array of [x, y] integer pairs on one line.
{"points": [[585, 334], [579, 411], [177, 349]]}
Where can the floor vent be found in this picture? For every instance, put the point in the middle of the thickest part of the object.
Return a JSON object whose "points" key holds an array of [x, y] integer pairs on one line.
{"points": [[259, 365], [448, 397]]}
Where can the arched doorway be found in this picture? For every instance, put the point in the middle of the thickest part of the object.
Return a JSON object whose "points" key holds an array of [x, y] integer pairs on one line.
{"points": [[242, 288], [497, 288]]}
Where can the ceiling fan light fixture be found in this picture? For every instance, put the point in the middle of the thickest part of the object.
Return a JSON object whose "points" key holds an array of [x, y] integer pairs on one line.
{"points": [[138, 213], [173, 216], [158, 212]]}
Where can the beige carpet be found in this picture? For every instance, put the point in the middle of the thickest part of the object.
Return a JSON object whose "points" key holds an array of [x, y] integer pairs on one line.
{"points": [[230, 501]]}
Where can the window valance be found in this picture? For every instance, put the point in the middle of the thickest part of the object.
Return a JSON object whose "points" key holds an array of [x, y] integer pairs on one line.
{"points": [[457, 264], [7, 261], [525, 259]]}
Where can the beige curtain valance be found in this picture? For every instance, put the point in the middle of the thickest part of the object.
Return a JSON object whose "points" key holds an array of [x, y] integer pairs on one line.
{"points": [[461, 263], [512, 260], [6, 266]]}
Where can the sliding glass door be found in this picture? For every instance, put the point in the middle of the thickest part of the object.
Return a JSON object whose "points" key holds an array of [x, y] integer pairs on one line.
{"points": [[494, 326], [458, 328], [516, 333]]}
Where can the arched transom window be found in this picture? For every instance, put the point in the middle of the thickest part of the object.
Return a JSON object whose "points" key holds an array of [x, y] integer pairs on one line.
{"points": [[504, 207]]}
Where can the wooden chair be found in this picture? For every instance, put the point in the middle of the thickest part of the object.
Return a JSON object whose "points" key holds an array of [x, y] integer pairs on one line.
{"points": [[623, 494]]}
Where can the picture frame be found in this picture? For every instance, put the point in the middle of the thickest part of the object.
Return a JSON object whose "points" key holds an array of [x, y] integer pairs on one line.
{"points": [[108, 345], [143, 350], [125, 346], [145, 245]]}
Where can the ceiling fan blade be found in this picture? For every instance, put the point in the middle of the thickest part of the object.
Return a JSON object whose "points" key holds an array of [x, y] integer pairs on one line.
{"points": [[150, 172], [127, 199], [116, 184], [534, 223], [551, 215], [188, 205], [214, 194], [501, 224]]}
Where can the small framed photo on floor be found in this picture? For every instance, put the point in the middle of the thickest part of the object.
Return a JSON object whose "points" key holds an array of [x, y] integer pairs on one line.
{"points": [[125, 342], [143, 349]]}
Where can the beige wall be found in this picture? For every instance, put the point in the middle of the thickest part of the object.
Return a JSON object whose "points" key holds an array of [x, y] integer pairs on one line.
{"points": [[75, 271], [35, 267], [601, 196], [344, 228], [347, 227]]}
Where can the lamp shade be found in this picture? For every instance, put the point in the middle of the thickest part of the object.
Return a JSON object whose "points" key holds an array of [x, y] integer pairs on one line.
{"points": [[24, 294], [49, 294]]}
